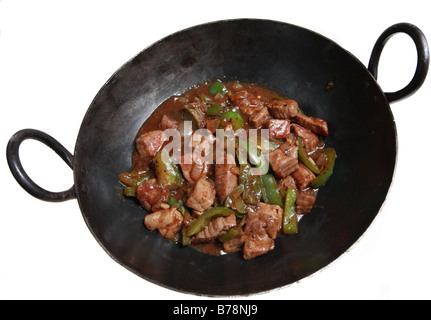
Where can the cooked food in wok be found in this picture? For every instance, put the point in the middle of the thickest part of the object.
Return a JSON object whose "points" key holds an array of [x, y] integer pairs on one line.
{"points": [[228, 167]]}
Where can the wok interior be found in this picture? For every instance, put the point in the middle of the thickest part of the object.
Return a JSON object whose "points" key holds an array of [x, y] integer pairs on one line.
{"points": [[297, 63]]}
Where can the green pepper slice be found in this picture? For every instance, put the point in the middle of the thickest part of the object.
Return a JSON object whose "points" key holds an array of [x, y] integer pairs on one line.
{"points": [[179, 205], [214, 109], [271, 190], [230, 234], [185, 240], [205, 218], [254, 154], [232, 117], [235, 201], [130, 191], [217, 87], [244, 173], [305, 159], [167, 173], [252, 192], [134, 179], [324, 175], [290, 219]]}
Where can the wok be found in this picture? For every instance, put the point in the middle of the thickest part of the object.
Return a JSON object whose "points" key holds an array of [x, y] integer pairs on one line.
{"points": [[326, 80]]}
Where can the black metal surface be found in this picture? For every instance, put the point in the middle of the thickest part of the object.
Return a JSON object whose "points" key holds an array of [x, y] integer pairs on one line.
{"points": [[21, 176], [298, 63], [422, 58]]}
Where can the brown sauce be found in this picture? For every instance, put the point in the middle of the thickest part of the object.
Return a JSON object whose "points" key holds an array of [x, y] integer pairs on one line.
{"points": [[174, 106], [255, 217]]}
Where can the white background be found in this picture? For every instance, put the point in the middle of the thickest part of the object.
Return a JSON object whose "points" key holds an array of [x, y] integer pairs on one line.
{"points": [[55, 56]]}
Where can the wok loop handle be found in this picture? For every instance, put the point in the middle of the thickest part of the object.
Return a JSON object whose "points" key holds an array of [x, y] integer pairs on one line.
{"points": [[423, 58], [21, 176]]}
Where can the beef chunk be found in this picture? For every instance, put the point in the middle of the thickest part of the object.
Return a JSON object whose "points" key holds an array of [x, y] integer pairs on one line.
{"points": [[213, 124], [303, 177], [235, 244], [168, 222], [246, 102], [195, 170], [151, 194], [259, 245], [305, 201], [202, 195], [225, 178], [215, 229], [194, 165], [284, 109], [260, 117], [202, 140], [284, 159], [261, 228], [309, 138], [317, 125], [287, 182], [168, 122], [278, 129], [149, 143]]}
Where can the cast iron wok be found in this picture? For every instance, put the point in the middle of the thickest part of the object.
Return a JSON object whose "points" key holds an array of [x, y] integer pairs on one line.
{"points": [[327, 82]]}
